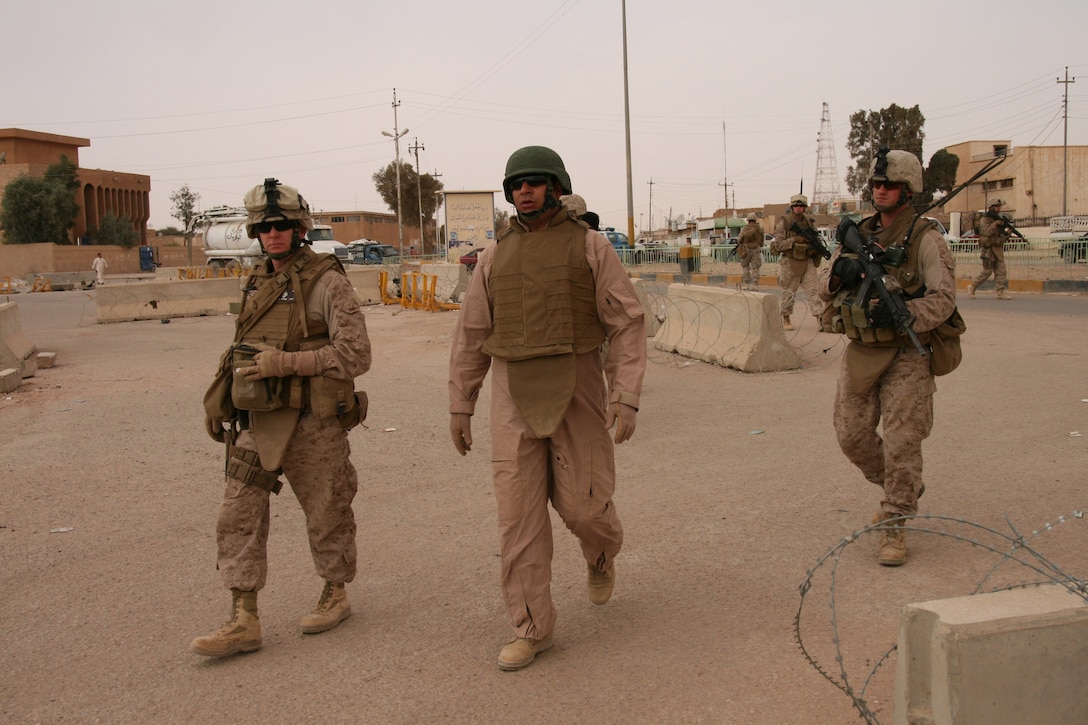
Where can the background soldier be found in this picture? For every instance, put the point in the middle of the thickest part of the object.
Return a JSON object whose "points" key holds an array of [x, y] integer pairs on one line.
{"points": [[798, 261], [300, 341], [883, 378], [750, 253], [993, 232], [544, 298]]}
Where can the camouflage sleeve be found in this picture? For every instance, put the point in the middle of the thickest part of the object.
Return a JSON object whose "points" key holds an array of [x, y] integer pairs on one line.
{"points": [[782, 242], [937, 268], [468, 362], [624, 321], [348, 353]]}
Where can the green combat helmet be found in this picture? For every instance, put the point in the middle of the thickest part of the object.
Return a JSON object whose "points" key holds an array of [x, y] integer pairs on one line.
{"points": [[273, 201], [537, 160]]}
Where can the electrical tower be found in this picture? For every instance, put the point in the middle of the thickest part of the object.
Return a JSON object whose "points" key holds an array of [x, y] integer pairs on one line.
{"points": [[827, 170]]}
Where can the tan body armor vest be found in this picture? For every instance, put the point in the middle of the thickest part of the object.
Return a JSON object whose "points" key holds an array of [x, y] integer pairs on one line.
{"points": [[800, 249]]}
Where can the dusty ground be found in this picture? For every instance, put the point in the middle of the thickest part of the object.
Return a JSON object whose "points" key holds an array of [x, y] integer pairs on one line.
{"points": [[731, 490]]}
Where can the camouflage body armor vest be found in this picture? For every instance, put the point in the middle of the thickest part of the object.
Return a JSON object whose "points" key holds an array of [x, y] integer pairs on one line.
{"points": [[800, 249], [851, 318]]}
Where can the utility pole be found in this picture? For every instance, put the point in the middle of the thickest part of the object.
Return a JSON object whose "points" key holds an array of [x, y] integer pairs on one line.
{"points": [[627, 133], [396, 142], [651, 209], [725, 173], [415, 147], [1065, 140], [437, 241]]}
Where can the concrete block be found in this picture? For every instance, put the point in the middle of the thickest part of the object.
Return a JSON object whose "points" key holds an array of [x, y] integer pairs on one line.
{"points": [[649, 308], [156, 300], [742, 330], [15, 347], [1012, 657], [46, 360], [9, 380], [364, 279]]}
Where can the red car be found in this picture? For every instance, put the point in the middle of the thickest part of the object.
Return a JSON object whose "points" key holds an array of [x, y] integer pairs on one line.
{"points": [[469, 259]]}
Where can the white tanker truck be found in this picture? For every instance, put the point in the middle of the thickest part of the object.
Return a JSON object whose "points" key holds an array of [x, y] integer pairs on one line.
{"points": [[223, 236]]}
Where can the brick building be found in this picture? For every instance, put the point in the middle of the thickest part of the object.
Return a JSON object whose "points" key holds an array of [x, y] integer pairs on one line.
{"points": [[100, 192]]}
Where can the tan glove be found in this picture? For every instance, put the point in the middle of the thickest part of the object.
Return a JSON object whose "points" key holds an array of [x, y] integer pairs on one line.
{"points": [[623, 416], [215, 428], [280, 364], [461, 432]]}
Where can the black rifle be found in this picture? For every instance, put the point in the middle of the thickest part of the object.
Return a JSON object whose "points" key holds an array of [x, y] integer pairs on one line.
{"points": [[1006, 225], [813, 239], [869, 254]]}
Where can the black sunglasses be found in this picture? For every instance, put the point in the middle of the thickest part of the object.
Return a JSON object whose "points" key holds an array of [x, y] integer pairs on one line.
{"points": [[282, 225], [531, 180]]}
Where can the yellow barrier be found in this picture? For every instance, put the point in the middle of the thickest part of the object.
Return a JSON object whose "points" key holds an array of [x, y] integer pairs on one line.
{"points": [[42, 284], [417, 292], [208, 272], [6, 287]]}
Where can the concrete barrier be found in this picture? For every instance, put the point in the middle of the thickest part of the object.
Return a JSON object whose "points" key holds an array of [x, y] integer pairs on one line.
{"points": [[64, 281], [1017, 656], [742, 330], [16, 349], [452, 280]]}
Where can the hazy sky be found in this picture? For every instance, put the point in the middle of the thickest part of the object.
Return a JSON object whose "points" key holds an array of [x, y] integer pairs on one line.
{"points": [[220, 94]]}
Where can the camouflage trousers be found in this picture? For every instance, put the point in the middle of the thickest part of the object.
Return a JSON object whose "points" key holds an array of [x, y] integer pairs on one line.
{"points": [[993, 262], [795, 273], [318, 468], [901, 401], [574, 470], [749, 268]]}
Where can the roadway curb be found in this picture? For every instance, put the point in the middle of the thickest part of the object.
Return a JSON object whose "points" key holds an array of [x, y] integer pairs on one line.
{"points": [[1038, 286]]}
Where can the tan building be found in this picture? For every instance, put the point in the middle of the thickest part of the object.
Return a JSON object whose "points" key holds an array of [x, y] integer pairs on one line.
{"points": [[1029, 181], [100, 192]]}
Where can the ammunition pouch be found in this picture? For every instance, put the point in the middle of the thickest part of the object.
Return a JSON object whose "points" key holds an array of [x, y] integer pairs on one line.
{"points": [[856, 324], [262, 395], [245, 466], [800, 250], [356, 414], [944, 344]]}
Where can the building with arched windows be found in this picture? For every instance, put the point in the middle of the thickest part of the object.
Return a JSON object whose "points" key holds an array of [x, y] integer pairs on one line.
{"points": [[100, 191]]}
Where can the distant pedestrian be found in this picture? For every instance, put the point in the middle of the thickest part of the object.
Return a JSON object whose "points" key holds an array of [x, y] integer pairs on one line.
{"points": [[750, 253], [993, 232], [798, 261], [99, 266]]}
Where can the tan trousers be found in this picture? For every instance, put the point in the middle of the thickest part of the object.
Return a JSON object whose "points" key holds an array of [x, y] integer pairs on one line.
{"points": [[901, 401], [794, 273], [575, 470], [318, 468]]}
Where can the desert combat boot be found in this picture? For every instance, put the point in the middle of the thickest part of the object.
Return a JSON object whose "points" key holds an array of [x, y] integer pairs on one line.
{"points": [[601, 583], [241, 634], [893, 541], [521, 651], [332, 608]]}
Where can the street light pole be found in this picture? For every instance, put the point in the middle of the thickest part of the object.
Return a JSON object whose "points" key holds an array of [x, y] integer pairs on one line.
{"points": [[396, 143], [419, 190]]}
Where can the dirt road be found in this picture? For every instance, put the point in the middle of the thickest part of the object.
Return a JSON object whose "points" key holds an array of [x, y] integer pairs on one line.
{"points": [[731, 490]]}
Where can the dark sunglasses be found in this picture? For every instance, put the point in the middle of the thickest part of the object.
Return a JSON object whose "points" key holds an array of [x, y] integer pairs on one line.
{"points": [[282, 225], [889, 185], [531, 180]]}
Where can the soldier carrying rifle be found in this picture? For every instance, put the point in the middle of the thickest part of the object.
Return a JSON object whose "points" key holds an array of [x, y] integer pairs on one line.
{"points": [[993, 232]]}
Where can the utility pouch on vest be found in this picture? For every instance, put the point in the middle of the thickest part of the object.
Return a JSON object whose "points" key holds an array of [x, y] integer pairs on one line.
{"points": [[260, 395], [329, 397], [800, 251], [944, 344], [356, 414], [245, 465]]}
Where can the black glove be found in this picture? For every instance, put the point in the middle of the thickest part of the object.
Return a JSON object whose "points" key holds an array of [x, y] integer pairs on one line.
{"points": [[880, 315], [848, 270]]}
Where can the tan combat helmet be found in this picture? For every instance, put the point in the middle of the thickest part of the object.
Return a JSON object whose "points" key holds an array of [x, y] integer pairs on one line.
{"points": [[997, 202], [902, 166], [799, 199], [751, 217], [273, 201], [575, 203]]}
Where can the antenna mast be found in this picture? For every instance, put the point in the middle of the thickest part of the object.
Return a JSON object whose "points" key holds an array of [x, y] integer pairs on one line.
{"points": [[827, 171]]}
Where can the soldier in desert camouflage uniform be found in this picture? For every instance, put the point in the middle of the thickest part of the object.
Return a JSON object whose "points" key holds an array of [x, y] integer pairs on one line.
{"points": [[993, 232], [750, 253], [300, 341], [884, 380], [798, 262]]}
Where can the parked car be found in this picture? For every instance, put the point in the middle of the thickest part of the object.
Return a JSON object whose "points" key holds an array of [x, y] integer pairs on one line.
{"points": [[368, 252], [469, 259], [1074, 250]]}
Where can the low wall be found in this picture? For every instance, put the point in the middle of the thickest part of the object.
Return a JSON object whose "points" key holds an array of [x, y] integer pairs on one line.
{"points": [[1017, 656], [741, 330], [16, 349], [24, 260]]}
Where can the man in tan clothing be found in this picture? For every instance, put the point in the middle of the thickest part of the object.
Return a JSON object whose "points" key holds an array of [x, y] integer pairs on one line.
{"points": [[993, 232], [798, 261], [542, 302], [884, 379], [300, 341], [750, 253]]}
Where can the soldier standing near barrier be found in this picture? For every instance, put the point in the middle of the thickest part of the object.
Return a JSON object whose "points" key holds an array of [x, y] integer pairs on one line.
{"points": [[884, 378], [750, 253], [543, 300], [286, 390], [798, 261], [993, 232]]}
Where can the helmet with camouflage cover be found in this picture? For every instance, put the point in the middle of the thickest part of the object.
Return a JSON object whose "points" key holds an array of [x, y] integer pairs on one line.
{"points": [[997, 202], [799, 199], [535, 160], [751, 217], [273, 201], [575, 203], [901, 166]]}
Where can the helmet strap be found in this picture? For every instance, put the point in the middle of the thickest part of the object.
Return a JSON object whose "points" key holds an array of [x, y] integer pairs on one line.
{"points": [[550, 202]]}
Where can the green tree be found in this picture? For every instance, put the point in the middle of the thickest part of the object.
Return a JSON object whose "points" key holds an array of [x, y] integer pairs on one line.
{"points": [[502, 218], [385, 181], [41, 209], [115, 230], [185, 202], [895, 127], [940, 176]]}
